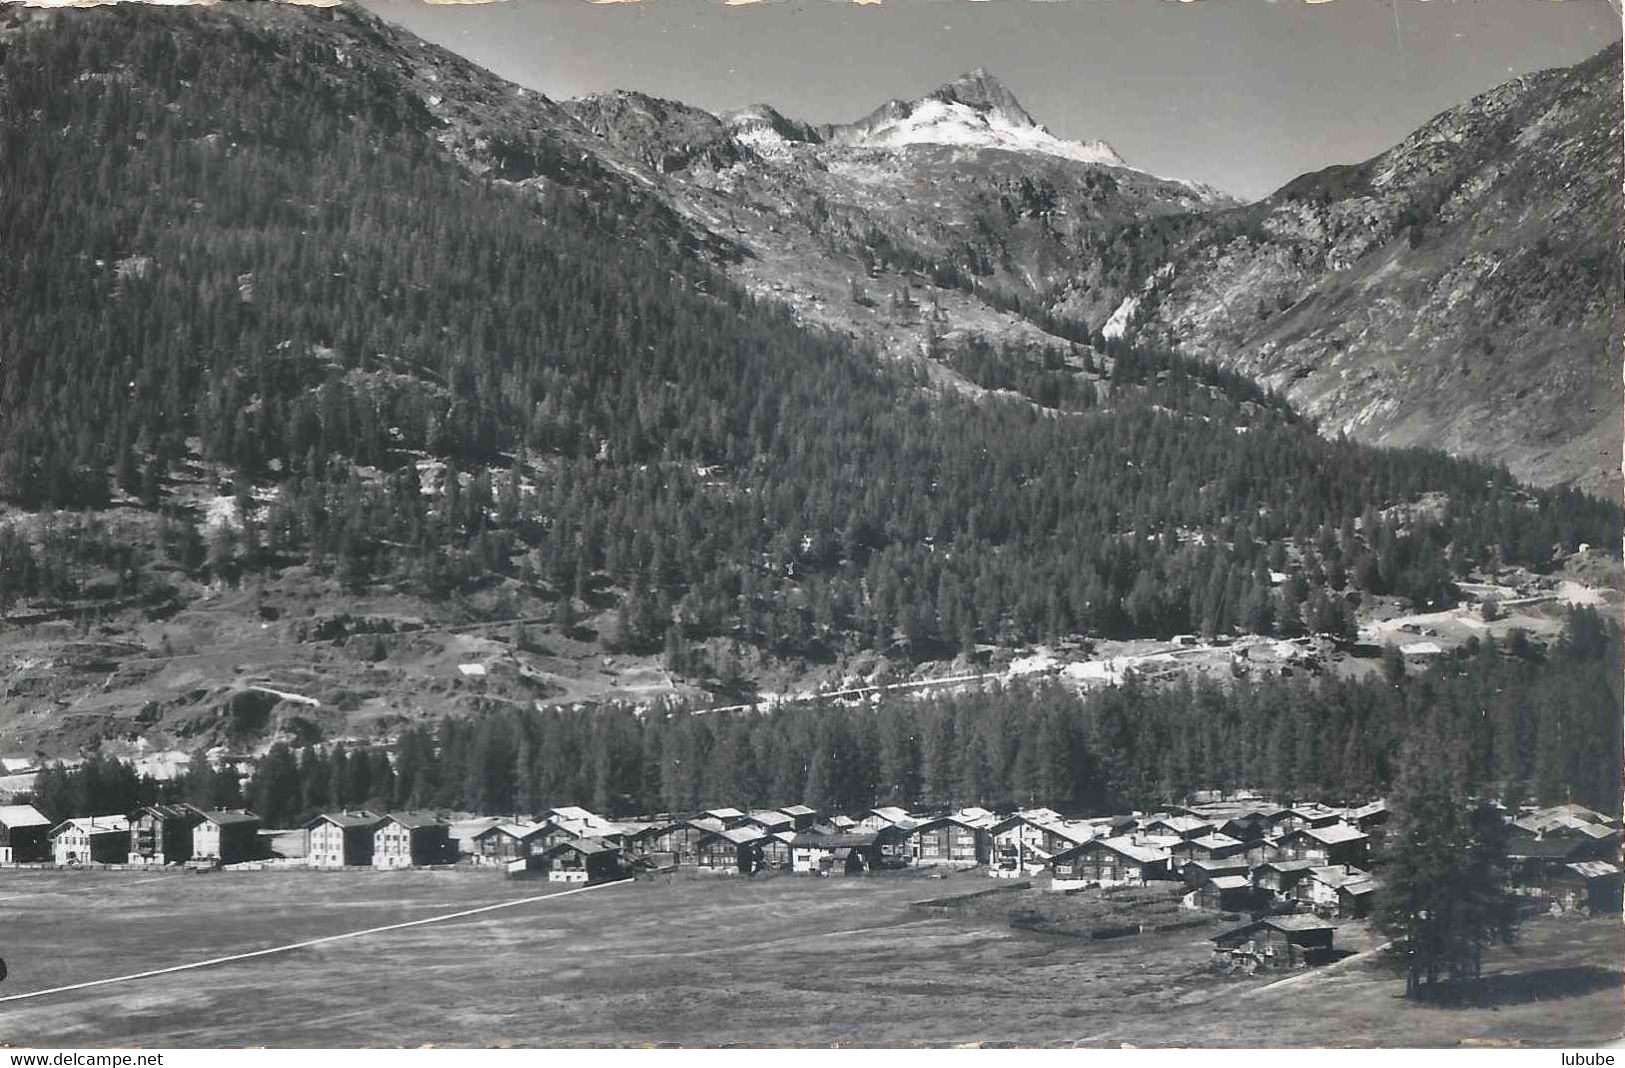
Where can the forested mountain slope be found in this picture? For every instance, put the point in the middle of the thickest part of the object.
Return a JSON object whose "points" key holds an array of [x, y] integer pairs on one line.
{"points": [[287, 324]]}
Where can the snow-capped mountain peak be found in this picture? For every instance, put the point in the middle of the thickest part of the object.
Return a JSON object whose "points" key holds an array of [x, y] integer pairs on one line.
{"points": [[974, 110]]}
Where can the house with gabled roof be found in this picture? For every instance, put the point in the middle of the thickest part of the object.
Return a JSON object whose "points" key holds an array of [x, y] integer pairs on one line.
{"points": [[1334, 843], [682, 838], [411, 839], [1108, 862], [770, 820], [843, 823], [1280, 878], [728, 817], [1246, 827], [162, 834], [732, 849], [642, 838], [834, 854], [1211, 846], [1371, 818], [1222, 893], [954, 839], [1594, 885], [91, 840], [1024, 843], [876, 819], [504, 843], [801, 817], [570, 814], [341, 839], [1319, 888], [1274, 942], [24, 835], [225, 835], [1181, 827], [1197, 872], [776, 850], [582, 860]]}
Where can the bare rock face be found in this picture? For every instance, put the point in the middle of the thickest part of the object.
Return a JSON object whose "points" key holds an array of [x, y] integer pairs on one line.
{"points": [[1459, 291]]}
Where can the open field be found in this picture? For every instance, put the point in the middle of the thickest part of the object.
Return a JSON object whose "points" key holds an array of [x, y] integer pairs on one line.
{"points": [[694, 960]]}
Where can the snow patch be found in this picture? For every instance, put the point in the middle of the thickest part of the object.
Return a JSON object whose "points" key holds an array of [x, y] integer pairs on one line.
{"points": [[938, 122], [1117, 325]]}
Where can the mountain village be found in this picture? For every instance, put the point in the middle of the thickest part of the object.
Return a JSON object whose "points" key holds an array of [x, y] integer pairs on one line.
{"points": [[1287, 874]]}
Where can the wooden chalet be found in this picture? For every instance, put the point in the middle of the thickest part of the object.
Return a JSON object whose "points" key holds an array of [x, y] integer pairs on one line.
{"points": [[641, 839], [1197, 872], [411, 839], [682, 839], [1246, 827], [162, 834], [1181, 827], [1274, 942], [25, 835], [949, 840], [770, 820], [1108, 862], [1224, 893], [1356, 899], [1370, 819], [777, 852], [728, 817], [226, 836], [878, 819], [505, 843], [1593, 885], [1025, 843], [582, 860], [1212, 846], [801, 817], [1335, 843], [1279, 878], [1286, 819], [834, 854], [843, 823], [91, 840], [1319, 890], [738, 849]]}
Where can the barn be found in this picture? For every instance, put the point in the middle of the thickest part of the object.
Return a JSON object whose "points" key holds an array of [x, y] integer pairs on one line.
{"points": [[24, 835], [1226, 893], [1274, 942]]}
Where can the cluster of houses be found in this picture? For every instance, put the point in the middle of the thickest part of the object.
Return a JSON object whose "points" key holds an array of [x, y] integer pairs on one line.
{"points": [[1231, 855]]}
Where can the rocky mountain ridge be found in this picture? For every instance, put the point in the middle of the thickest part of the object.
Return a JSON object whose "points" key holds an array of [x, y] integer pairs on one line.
{"points": [[1459, 291]]}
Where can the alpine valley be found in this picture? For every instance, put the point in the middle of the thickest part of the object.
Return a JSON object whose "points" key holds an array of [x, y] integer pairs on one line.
{"points": [[346, 387]]}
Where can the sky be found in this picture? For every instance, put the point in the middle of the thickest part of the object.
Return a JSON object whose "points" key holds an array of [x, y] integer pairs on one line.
{"points": [[1243, 94]]}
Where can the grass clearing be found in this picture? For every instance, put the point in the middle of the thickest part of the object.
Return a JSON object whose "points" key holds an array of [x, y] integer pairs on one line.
{"points": [[704, 960]]}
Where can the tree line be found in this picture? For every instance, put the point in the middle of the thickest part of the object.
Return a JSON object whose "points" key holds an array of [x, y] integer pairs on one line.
{"points": [[1506, 719]]}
